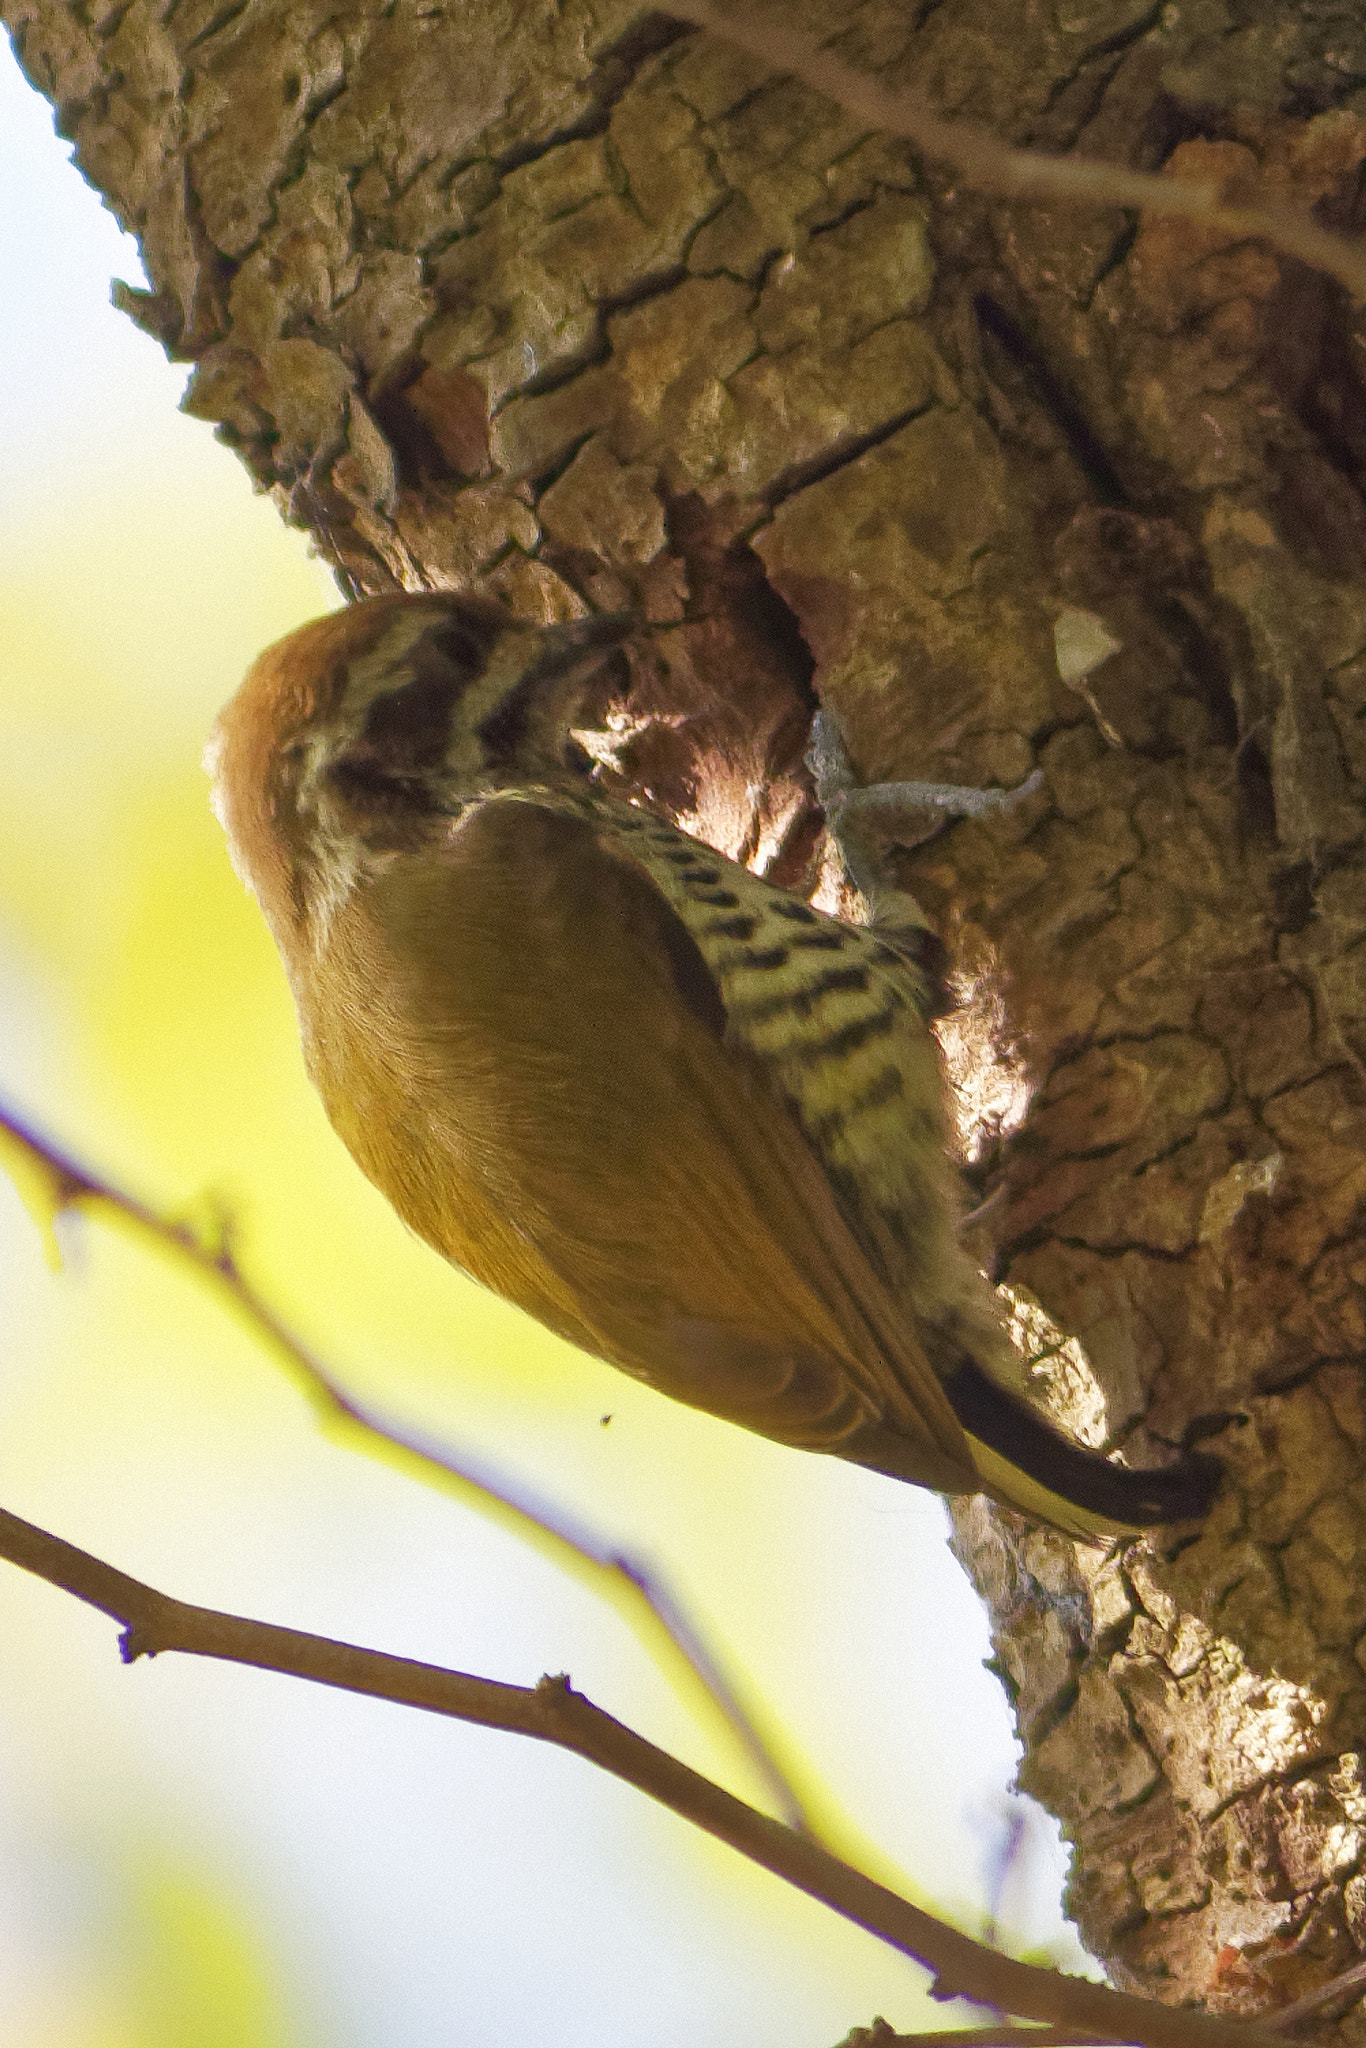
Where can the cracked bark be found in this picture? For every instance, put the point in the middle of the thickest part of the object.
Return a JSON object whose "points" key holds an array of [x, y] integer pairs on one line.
{"points": [[586, 308]]}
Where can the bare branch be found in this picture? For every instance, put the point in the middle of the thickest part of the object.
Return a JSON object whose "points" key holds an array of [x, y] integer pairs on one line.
{"points": [[553, 1712], [880, 2035], [987, 164], [1346, 1988], [52, 1184]]}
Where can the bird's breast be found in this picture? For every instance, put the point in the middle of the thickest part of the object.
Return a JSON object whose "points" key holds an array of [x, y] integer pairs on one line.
{"points": [[520, 1044]]}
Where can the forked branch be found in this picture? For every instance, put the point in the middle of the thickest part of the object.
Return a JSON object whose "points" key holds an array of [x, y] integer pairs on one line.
{"points": [[552, 1711]]}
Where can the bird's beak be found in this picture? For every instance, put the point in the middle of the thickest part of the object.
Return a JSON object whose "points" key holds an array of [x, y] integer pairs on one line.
{"points": [[601, 629], [564, 647]]}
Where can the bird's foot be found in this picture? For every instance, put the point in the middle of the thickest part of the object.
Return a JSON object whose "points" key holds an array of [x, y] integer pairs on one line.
{"points": [[865, 820]]}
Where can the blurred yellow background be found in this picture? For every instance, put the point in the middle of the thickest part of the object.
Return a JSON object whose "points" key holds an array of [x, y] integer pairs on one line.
{"points": [[191, 1854]]}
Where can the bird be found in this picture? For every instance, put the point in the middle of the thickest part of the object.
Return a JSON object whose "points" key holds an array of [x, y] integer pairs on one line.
{"points": [[683, 1118]]}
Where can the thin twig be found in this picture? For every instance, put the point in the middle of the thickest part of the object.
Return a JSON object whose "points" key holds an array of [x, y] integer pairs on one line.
{"points": [[1349, 1984], [1002, 1866], [52, 1184], [880, 2035], [987, 164], [553, 1712]]}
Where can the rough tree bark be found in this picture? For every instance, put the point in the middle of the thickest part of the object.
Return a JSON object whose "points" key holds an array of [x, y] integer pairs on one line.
{"points": [[581, 305]]}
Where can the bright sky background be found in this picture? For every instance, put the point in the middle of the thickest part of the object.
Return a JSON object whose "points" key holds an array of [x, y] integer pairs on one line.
{"points": [[194, 1855]]}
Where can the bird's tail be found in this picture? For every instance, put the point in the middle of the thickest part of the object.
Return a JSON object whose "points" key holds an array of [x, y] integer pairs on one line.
{"points": [[1027, 1464]]}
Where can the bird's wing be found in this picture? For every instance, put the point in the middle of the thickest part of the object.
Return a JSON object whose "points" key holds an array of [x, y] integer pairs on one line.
{"points": [[838, 1020], [602, 1152]]}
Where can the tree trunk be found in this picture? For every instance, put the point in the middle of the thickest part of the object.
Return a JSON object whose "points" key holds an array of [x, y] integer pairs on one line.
{"points": [[588, 308]]}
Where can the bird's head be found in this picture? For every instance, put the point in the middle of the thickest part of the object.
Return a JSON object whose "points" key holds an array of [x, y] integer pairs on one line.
{"points": [[349, 737]]}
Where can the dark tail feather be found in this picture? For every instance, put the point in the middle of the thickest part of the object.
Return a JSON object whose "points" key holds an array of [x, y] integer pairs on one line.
{"points": [[1113, 1493]]}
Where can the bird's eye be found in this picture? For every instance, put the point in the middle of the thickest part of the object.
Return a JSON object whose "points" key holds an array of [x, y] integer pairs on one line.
{"points": [[464, 647], [409, 728], [405, 737]]}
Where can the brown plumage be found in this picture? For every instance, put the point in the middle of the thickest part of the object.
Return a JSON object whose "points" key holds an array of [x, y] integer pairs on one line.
{"points": [[674, 1113]]}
